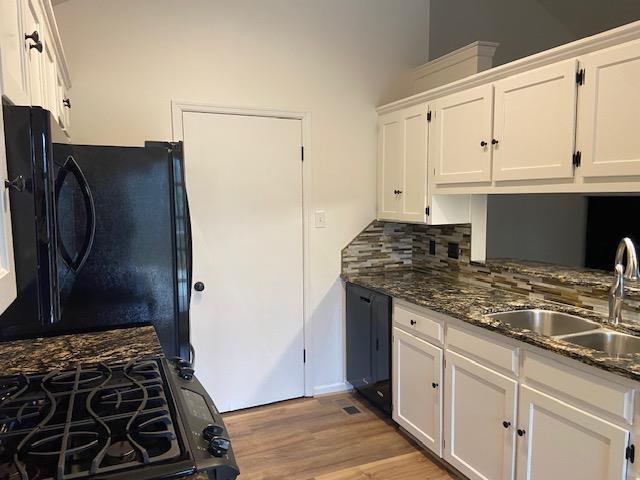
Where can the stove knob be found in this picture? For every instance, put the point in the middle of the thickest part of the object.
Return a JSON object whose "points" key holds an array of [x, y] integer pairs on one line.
{"points": [[219, 446], [212, 430]]}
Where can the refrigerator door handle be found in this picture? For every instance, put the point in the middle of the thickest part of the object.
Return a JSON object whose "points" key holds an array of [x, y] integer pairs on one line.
{"points": [[71, 166]]}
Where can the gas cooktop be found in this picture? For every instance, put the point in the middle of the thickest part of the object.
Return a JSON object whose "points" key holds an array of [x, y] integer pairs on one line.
{"points": [[110, 421]]}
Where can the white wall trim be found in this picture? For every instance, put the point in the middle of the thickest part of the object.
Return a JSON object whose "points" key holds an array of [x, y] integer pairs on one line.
{"points": [[578, 48], [332, 388], [178, 108]]}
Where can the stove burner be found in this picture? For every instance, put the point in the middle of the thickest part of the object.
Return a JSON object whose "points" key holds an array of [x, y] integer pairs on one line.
{"points": [[121, 451], [12, 386], [87, 422]]}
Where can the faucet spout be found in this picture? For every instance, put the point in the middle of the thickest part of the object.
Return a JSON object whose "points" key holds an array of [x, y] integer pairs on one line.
{"points": [[629, 272], [631, 269]]}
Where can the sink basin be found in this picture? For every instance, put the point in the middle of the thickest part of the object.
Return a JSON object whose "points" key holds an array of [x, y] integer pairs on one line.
{"points": [[607, 341], [546, 322]]}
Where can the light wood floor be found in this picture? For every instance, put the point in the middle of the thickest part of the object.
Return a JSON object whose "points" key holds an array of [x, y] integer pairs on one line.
{"points": [[315, 439]]}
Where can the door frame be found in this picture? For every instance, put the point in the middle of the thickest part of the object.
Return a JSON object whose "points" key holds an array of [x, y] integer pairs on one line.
{"points": [[179, 108]]}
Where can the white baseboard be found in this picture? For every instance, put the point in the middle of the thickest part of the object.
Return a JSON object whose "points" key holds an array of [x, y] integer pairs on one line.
{"points": [[332, 388]]}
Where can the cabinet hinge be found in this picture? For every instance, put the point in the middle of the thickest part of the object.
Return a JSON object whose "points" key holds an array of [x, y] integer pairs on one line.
{"points": [[302, 153], [577, 158], [630, 453], [429, 116], [580, 77], [426, 211], [304, 356]]}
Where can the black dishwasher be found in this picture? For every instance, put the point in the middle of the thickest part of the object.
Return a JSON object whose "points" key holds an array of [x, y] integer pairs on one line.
{"points": [[369, 345]]}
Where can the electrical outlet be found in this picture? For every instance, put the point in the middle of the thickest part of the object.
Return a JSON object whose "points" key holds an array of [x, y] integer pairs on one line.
{"points": [[432, 247], [453, 250], [321, 219]]}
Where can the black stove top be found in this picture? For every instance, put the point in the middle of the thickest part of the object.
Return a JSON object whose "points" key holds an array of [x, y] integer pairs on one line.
{"points": [[104, 421]]}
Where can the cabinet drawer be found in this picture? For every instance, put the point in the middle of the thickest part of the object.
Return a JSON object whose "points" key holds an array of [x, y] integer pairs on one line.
{"points": [[415, 321], [579, 387], [484, 349]]}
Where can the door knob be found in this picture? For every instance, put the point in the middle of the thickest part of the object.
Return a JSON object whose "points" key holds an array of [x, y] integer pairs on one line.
{"points": [[18, 183], [506, 424], [494, 142], [434, 385], [483, 143], [198, 286], [521, 432]]}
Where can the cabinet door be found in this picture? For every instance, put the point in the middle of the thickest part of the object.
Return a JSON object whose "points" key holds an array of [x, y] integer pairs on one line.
{"points": [[13, 63], [608, 106], [477, 403], [534, 124], [561, 441], [50, 74], [34, 23], [402, 184], [417, 398], [8, 289], [390, 165], [460, 136], [359, 334]]}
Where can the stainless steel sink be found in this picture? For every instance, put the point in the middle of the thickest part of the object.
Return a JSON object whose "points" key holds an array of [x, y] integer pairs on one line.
{"points": [[546, 322], [607, 341]]}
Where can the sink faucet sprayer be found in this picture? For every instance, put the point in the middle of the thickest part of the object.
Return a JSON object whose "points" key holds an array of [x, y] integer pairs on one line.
{"points": [[630, 272]]}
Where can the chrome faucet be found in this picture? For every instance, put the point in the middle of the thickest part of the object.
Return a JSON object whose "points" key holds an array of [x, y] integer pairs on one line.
{"points": [[629, 272]]}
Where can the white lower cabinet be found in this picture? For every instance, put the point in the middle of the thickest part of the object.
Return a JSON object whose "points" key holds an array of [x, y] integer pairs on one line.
{"points": [[558, 440], [480, 413], [470, 404], [417, 396]]}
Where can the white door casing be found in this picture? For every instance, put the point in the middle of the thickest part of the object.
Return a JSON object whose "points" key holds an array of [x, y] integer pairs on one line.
{"points": [[246, 208], [534, 124], [477, 402], [417, 392], [608, 106]]}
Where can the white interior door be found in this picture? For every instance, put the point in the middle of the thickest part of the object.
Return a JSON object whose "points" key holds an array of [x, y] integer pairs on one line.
{"points": [[244, 180]]}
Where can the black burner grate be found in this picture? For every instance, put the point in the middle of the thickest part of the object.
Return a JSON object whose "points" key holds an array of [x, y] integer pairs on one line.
{"points": [[89, 421]]}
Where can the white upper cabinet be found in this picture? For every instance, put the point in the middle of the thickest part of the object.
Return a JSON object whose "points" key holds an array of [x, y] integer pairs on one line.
{"points": [[534, 124], [480, 419], [32, 63], [402, 165], [8, 290], [417, 393], [608, 109], [460, 136], [13, 61], [557, 440], [34, 26]]}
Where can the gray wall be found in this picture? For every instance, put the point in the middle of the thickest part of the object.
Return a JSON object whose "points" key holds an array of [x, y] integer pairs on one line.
{"points": [[522, 27], [547, 228]]}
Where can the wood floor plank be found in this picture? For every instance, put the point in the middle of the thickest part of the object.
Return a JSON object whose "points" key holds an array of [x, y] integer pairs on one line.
{"points": [[314, 438]]}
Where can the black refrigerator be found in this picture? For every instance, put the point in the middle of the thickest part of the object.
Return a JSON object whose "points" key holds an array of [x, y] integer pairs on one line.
{"points": [[102, 237]]}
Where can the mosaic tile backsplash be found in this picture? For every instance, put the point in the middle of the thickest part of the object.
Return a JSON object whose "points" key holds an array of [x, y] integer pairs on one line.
{"points": [[388, 246]]}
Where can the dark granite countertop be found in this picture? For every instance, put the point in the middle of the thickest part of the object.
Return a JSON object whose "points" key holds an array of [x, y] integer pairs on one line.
{"points": [[63, 352], [562, 275], [471, 303]]}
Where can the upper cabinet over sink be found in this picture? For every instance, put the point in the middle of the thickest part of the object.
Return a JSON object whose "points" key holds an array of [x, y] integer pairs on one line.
{"points": [[561, 121], [33, 68]]}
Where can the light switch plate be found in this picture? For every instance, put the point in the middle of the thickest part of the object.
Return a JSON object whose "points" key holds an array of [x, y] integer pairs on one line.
{"points": [[321, 219]]}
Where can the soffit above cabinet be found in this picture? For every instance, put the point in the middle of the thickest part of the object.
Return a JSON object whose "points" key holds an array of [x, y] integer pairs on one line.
{"points": [[584, 46]]}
